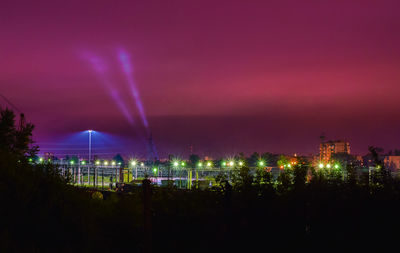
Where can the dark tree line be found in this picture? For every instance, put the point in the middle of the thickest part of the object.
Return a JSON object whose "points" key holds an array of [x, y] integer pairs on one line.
{"points": [[301, 209]]}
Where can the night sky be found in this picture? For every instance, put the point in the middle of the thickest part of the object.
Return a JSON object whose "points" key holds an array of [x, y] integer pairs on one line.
{"points": [[222, 76]]}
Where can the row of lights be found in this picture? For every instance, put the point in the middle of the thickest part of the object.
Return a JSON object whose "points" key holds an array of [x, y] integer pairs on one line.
{"points": [[200, 164], [174, 163], [289, 165], [210, 164], [321, 166]]}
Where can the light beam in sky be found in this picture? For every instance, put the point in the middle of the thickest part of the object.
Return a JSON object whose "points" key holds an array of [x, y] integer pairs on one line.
{"points": [[102, 73], [127, 68]]}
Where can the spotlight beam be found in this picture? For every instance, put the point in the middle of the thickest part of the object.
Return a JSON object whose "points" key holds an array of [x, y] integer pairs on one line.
{"points": [[100, 67]]}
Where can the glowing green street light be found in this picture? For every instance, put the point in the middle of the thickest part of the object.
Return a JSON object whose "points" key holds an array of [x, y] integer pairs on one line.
{"points": [[321, 165], [328, 165], [30, 159], [183, 164], [261, 163], [83, 162], [199, 164], [336, 166], [209, 164], [71, 162], [155, 170], [40, 159], [224, 164]]}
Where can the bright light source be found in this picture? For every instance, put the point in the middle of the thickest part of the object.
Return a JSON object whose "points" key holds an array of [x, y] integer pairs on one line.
{"points": [[209, 164], [90, 130], [240, 163], [261, 163], [289, 165], [183, 163], [336, 166], [113, 162], [133, 163], [154, 170], [40, 159], [83, 162], [176, 164], [105, 163], [71, 162], [142, 164], [30, 159], [223, 163], [321, 165], [231, 163], [199, 164], [328, 165], [97, 162], [119, 163]]}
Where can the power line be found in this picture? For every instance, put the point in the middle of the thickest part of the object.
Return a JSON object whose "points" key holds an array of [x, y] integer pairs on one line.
{"points": [[9, 102]]}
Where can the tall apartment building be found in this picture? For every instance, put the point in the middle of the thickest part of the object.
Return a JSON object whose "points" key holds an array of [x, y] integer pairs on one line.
{"points": [[328, 148]]}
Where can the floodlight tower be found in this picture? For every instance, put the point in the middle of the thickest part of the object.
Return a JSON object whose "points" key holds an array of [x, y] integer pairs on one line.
{"points": [[90, 145]]}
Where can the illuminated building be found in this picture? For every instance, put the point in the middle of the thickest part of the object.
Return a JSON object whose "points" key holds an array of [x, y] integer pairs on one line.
{"points": [[328, 148], [392, 162]]}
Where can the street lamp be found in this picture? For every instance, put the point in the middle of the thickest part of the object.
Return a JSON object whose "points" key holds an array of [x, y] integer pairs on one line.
{"points": [[90, 145]]}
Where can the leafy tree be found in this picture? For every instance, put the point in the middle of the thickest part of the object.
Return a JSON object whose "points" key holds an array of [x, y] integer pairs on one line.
{"points": [[253, 159], [270, 159], [16, 141], [194, 159], [299, 176], [284, 181], [282, 161]]}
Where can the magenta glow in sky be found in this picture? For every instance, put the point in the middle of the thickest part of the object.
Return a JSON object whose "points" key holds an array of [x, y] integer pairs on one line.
{"points": [[223, 76]]}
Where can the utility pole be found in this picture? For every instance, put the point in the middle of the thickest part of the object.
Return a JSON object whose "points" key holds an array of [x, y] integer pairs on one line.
{"points": [[90, 145]]}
